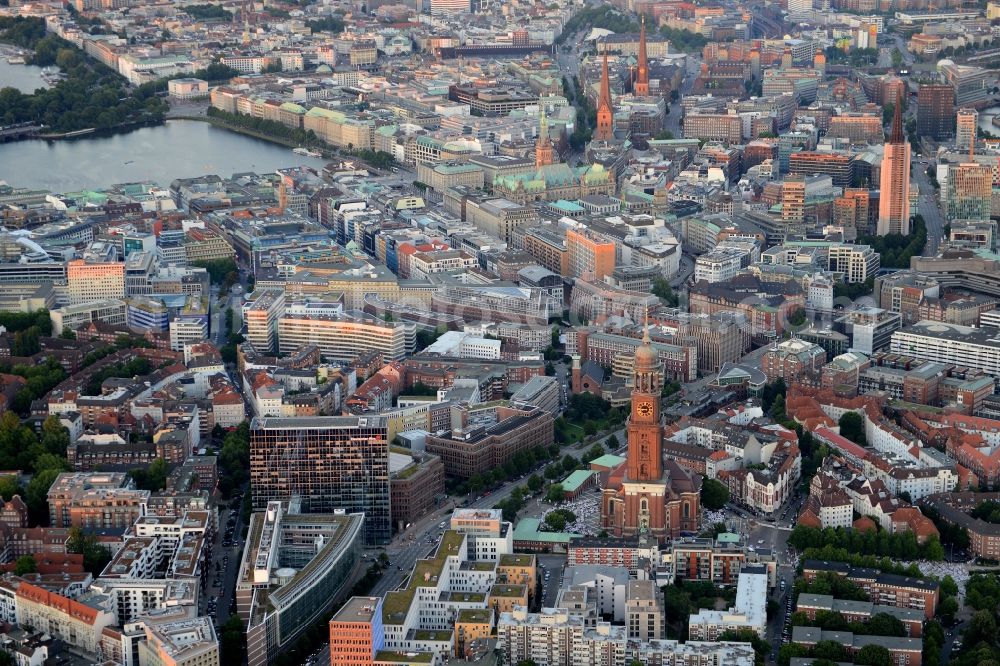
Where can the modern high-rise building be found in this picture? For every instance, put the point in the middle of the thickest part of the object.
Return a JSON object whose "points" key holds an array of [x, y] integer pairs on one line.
{"points": [[261, 317], [851, 209], [793, 199], [327, 463], [894, 181], [810, 163], [87, 281], [589, 252], [970, 191], [966, 126], [936, 111], [344, 338]]}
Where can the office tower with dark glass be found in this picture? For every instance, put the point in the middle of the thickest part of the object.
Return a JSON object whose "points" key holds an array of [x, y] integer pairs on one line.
{"points": [[328, 463]]}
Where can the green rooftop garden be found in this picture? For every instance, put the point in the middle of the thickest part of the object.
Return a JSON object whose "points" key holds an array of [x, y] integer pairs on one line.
{"points": [[425, 574], [407, 471], [405, 657], [507, 591], [516, 560], [481, 566], [474, 615]]}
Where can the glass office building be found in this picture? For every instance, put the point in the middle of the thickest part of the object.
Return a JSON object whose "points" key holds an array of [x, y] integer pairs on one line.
{"points": [[328, 464]]}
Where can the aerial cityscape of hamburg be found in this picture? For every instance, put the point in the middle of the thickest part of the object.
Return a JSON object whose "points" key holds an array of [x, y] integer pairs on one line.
{"points": [[499, 333]]}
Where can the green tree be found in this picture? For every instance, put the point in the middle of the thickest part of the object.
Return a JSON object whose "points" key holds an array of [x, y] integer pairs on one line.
{"points": [[154, 477], [555, 493], [36, 494], [831, 650], [933, 550], [852, 427], [95, 556], [24, 565], [232, 641], [661, 289], [883, 624], [535, 483], [789, 651], [982, 627], [873, 655], [555, 521], [797, 317], [714, 494], [204, 12], [10, 486], [777, 410], [948, 608], [595, 452], [949, 588]]}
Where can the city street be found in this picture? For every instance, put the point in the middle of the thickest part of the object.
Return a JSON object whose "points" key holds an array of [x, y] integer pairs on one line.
{"points": [[228, 560], [928, 208]]}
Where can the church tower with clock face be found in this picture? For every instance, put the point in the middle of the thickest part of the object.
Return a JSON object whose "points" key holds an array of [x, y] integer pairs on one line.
{"points": [[645, 456], [646, 496]]}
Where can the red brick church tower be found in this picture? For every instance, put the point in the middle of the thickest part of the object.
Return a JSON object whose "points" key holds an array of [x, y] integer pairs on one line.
{"points": [[605, 130], [644, 496], [642, 67]]}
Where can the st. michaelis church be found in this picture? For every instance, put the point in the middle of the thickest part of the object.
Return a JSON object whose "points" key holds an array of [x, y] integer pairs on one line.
{"points": [[645, 495]]}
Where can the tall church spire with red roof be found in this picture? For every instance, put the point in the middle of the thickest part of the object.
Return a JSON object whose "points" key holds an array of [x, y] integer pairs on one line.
{"points": [[642, 67], [605, 112]]}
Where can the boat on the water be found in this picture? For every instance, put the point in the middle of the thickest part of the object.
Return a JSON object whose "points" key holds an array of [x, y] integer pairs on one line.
{"points": [[305, 152]]}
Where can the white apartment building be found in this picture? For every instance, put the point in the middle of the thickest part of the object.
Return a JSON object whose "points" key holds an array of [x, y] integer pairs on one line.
{"points": [[134, 597], [75, 623], [345, 338], [556, 637], [8, 602], [187, 331], [423, 264], [721, 264], [748, 612], [87, 281], [856, 262], [610, 585], [837, 515], [185, 641], [421, 618], [464, 345], [950, 343], [487, 535], [247, 64], [110, 311], [820, 294]]}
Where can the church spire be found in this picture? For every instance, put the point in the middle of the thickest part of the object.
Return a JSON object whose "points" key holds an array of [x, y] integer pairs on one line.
{"points": [[642, 68], [605, 113], [543, 146], [896, 135]]}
